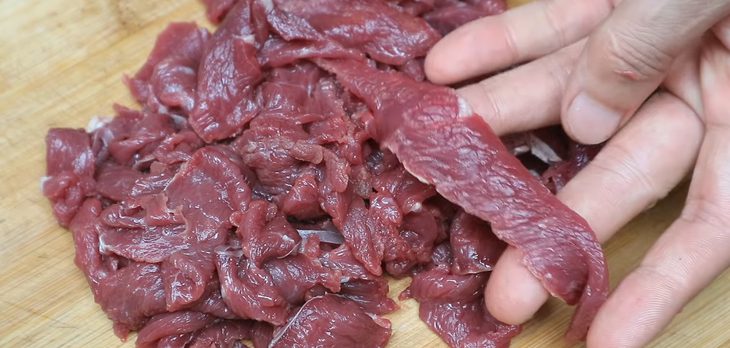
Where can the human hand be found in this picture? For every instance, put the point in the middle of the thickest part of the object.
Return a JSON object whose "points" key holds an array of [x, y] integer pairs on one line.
{"points": [[630, 50], [641, 164]]}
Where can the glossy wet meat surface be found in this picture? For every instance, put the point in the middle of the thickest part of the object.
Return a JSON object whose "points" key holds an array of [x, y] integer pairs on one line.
{"points": [[415, 120], [279, 167]]}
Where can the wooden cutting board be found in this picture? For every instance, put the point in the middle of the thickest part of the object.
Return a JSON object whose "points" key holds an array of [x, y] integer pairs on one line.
{"points": [[61, 63]]}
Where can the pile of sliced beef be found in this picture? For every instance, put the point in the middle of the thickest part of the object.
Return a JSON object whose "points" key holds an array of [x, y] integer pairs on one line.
{"points": [[279, 167]]}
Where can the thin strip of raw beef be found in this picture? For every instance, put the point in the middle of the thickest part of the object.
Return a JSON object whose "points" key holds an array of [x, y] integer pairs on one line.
{"points": [[453, 306], [421, 230], [169, 76], [209, 188], [332, 321], [247, 290], [560, 173], [115, 182], [175, 341], [451, 14], [206, 190], [70, 171], [342, 260], [216, 10], [264, 233], [415, 7], [409, 193], [226, 333], [475, 248], [141, 243], [384, 33], [171, 324], [132, 294], [370, 295], [262, 334], [212, 302], [442, 142], [277, 52], [269, 147], [227, 78], [185, 274], [107, 134], [372, 232], [86, 241], [302, 200], [297, 276], [364, 242], [413, 68], [300, 40], [129, 293], [133, 137]]}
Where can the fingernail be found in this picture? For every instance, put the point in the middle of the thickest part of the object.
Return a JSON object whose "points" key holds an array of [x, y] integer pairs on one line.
{"points": [[591, 122]]}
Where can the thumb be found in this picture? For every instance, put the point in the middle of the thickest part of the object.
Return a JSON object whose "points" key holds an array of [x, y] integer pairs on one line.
{"points": [[627, 58]]}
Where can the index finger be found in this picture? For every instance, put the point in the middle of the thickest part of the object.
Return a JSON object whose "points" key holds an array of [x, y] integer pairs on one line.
{"points": [[520, 34]]}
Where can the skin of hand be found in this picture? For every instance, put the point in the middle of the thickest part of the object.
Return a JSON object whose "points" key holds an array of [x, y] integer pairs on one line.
{"points": [[684, 125]]}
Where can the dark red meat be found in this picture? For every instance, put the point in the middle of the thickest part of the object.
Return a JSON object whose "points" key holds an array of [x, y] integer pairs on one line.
{"points": [[128, 292], [371, 295], [561, 172], [264, 234], [168, 78], [212, 302], [171, 324], [342, 260], [259, 194], [453, 306], [299, 40], [384, 33], [359, 236], [450, 14], [226, 333], [209, 188], [70, 171], [115, 182], [217, 9], [298, 276], [229, 73], [249, 291], [193, 329], [475, 248], [332, 321], [415, 120]]}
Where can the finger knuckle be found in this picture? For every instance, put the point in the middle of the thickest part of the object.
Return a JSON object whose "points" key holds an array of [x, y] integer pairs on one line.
{"points": [[492, 108], [708, 220], [510, 42], [559, 72], [706, 211], [552, 13], [623, 170], [667, 281], [635, 56]]}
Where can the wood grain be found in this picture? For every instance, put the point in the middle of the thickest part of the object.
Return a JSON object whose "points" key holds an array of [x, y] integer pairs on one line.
{"points": [[62, 63]]}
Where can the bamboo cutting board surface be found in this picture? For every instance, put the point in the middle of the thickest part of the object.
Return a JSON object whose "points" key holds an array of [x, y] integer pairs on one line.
{"points": [[61, 63]]}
